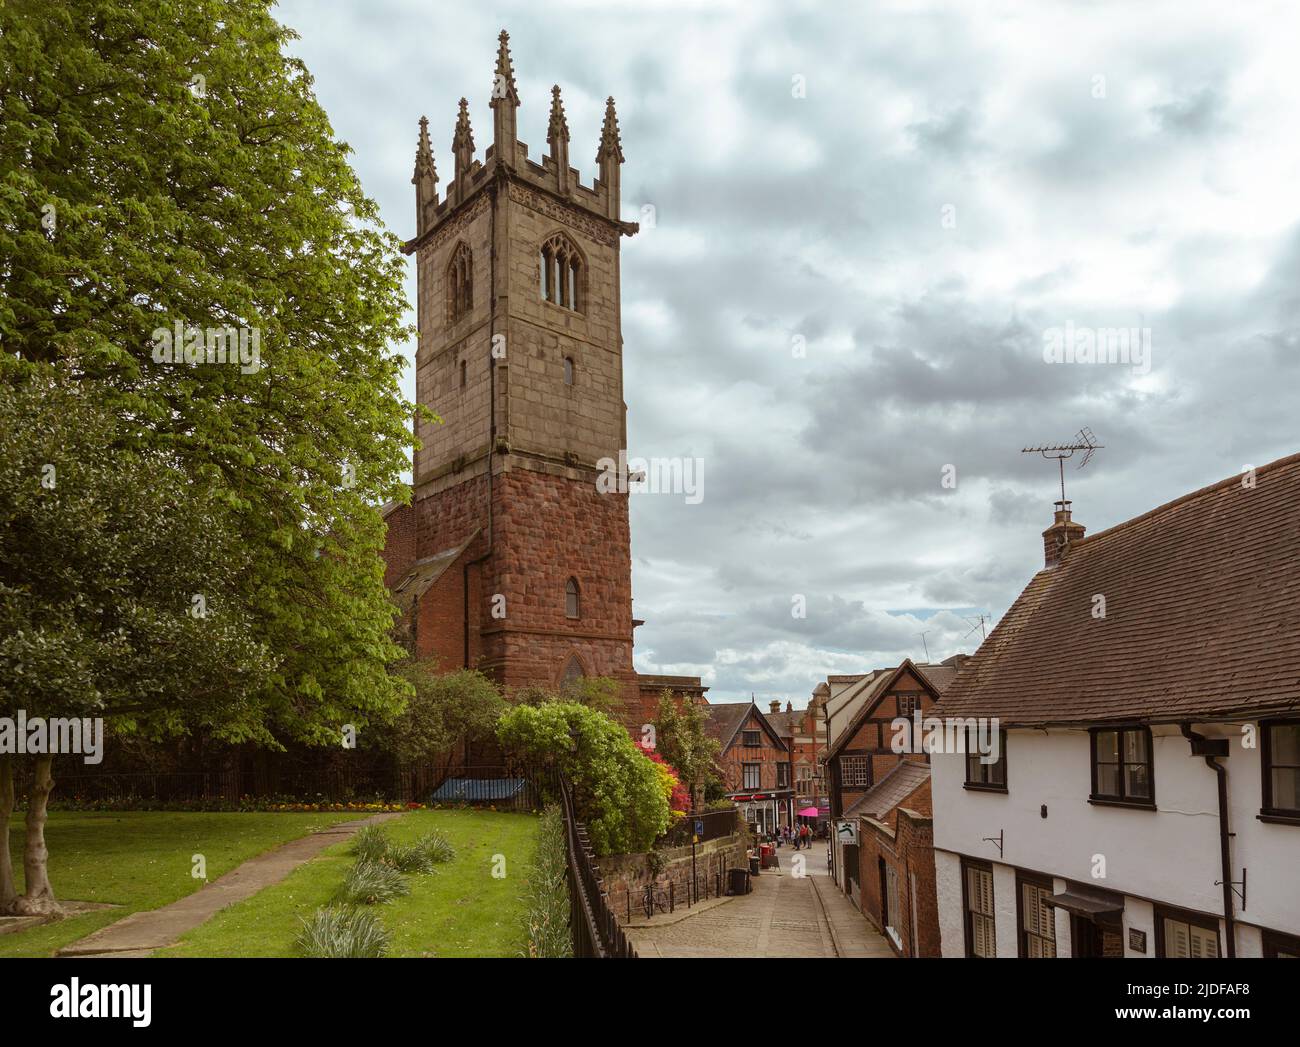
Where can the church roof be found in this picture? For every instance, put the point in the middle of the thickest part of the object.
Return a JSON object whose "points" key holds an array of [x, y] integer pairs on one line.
{"points": [[423, 573]]}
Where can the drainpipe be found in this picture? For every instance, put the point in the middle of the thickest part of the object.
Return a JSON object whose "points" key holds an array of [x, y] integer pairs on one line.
{"points": [[1211, 748]]}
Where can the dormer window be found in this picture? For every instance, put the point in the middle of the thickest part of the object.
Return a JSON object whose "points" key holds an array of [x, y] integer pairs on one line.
{"points": [[561, 274], [572, 600], [460, 282]]}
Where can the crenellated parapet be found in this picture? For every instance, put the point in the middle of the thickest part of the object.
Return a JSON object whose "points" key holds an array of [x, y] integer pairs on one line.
{"points": [[552, 179]]}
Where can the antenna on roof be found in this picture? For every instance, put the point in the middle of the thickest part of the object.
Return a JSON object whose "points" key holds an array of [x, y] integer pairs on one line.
{"points": [[1084, 441], [978, 621], [926, 646]]}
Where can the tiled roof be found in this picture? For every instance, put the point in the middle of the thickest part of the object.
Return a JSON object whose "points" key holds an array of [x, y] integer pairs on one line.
{"points": [[722, 720], [895, 787], [423, 573], [1202, 617]]}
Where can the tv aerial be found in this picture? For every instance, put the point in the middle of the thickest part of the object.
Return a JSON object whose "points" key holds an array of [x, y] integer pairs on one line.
{"points": [[1084, 441]]}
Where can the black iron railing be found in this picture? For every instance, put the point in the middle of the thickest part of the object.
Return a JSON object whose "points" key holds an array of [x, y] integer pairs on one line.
{"points": [[596, 930]]}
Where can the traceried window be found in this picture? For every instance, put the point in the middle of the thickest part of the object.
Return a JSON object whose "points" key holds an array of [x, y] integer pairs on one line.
{"points": [[855, 772], [1121, 765], [1281, 759], [460, 282], [572, 599], [572, 674], [561, 273]]}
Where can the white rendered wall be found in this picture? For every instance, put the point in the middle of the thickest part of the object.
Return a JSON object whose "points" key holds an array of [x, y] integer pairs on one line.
{"points": [[1170, 854]]}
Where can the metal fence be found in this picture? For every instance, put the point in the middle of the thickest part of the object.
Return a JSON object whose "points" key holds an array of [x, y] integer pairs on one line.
{"points": [[595, 929], [714, 825]]}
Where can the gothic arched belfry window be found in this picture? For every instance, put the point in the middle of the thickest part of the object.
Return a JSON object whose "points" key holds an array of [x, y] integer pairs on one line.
{"points": [[460, 282], [561, 274]]}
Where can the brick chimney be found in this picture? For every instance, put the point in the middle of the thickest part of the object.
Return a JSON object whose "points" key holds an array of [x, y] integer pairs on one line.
{"points": [[1058, 537], [774, 706], [789, 707]]}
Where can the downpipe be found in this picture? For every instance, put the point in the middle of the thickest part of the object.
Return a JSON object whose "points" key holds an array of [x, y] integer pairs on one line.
{"points": [[1210, 748]]}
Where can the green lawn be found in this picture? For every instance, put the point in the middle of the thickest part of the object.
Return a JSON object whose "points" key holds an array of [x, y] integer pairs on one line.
{"points": [[459, 910], [141, 860]]}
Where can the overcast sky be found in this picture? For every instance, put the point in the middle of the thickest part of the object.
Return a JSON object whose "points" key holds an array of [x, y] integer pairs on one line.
{"points": [[956, 181]]}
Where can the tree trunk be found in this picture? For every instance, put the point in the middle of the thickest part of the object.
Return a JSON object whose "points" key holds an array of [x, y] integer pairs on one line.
{"points": [[8, 895], [39, 899]]}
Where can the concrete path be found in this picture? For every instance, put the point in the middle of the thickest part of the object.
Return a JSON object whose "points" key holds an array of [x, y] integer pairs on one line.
{"points": [[142, 932], [786, 915]]}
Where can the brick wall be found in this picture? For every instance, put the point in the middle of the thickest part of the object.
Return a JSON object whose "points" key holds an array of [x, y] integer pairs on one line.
{"points": [[907, 848]]}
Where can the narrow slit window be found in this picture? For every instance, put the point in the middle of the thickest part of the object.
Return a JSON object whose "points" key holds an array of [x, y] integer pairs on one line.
{"points": [[572, 600]]}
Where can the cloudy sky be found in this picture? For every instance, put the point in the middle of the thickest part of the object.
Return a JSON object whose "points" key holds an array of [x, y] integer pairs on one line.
{"points": [[867, 227]]}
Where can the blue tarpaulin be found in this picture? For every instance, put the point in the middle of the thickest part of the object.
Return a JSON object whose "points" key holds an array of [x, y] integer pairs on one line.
{"points": [[477, 790]]}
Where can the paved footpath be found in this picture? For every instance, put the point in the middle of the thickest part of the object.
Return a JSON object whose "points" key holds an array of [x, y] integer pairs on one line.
{"points": [[785, 915], [142, 932]]}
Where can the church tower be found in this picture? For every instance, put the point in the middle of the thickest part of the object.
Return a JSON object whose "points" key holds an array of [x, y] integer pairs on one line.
{"points": [[510, 559]]}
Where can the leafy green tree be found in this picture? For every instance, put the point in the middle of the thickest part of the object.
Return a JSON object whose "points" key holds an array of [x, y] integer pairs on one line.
{"points": [[169, 184], [119, 595], [680, 738], [165, 166], [617, 789], [444, 711]]}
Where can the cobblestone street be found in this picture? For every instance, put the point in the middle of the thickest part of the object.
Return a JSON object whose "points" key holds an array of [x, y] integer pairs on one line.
{"points": [[785, 915]]}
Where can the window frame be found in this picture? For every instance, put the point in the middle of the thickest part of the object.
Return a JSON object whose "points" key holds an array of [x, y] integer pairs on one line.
{"points": [[751, 738], [1276, 941], [983, 783], [1122, 799], [1192, 919], [1023, 880], [783, 777], [572, 590], [844, 762], [562, 273], [744, 775], [1268, 810], [968, 864]]}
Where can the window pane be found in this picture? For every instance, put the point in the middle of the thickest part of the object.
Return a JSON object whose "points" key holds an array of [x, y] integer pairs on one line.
{"points": [[1286, 788], [1137, 782], [1284, 744], [1135, 747], [1108, 746], [997, 772], [1107, 779], [974, 772]]}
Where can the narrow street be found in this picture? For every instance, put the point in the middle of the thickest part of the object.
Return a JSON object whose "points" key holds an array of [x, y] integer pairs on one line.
{"points": [[785, 916]]}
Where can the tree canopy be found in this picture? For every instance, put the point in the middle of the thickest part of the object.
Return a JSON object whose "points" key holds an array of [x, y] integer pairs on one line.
{"points": [[165, 167]]}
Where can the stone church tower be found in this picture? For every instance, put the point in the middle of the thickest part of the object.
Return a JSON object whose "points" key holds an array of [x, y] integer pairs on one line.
{"points": [[509, 559]]}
